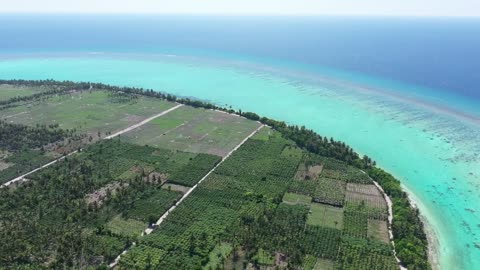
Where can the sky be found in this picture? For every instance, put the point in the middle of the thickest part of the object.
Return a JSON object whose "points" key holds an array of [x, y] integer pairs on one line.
{"points": [[250, 7]]}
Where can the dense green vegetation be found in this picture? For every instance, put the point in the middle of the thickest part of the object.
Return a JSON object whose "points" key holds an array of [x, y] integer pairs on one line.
{"points": [[25, 148], [22, 162], [239, 205], [248, 183], [194, 170], [65, 216], [15, 137]]}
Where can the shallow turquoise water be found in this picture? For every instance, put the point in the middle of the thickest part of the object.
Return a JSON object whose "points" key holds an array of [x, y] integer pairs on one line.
{"points": [[434, 152]]}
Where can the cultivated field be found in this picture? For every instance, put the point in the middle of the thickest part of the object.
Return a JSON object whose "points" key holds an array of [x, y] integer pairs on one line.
{"points": [[194, 130], [293, 198], [378, 230], [325, 215], [9, 91], [366, 194], [86, 111], [239, 203]]}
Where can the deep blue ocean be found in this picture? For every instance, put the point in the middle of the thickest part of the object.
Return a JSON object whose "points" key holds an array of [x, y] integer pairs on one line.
{"points": [[438, 53]]}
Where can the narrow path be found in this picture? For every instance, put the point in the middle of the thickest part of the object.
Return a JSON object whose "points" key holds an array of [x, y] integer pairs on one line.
{"points": [[22, 177], [390, 222], [143, 122], [13, 115], [165, 215]]}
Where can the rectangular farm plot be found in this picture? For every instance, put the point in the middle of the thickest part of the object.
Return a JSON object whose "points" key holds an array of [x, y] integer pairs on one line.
{"points": [[325, 215], [86, 111], [356, 224], [365, 194], [194, 130], [339, 170], [330, 191], [174, 187], [191, 173], [152, 205], [378, 230], [293, 198], [128, 227]]}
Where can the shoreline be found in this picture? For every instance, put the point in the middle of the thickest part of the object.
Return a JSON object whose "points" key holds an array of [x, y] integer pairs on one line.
{"points": [[432, 236], [429, 229], [390, 221]]}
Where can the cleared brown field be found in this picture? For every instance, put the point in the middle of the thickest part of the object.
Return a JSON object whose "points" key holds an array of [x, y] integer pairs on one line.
{"points": [[369, 194], [307, 173], [364, 189]]}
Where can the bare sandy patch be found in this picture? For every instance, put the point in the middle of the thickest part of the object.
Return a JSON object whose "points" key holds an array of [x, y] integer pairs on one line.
{"points": [[174, 187], [308, 172], [98, 197], [4, 165]]}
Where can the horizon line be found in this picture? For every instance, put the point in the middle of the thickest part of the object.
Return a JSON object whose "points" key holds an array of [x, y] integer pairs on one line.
{"points": [[218, 14]]}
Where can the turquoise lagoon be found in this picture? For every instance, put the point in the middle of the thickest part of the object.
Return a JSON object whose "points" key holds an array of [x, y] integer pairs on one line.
{"points": [[431, 145]]}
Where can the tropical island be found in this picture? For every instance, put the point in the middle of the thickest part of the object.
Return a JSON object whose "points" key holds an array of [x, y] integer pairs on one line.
{"points": [[96, 176]]}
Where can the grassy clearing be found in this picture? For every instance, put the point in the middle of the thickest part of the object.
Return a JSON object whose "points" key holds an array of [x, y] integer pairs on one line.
{"points": [[293, 198], [128, 227], [10, 91], [194, 130], [309, 262], [378, 230], [85, 111], [264, 134], [323, 264], [293, 152], [5, 165], [325, 215], [263, 257], [218, 255], [174, 187]]}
